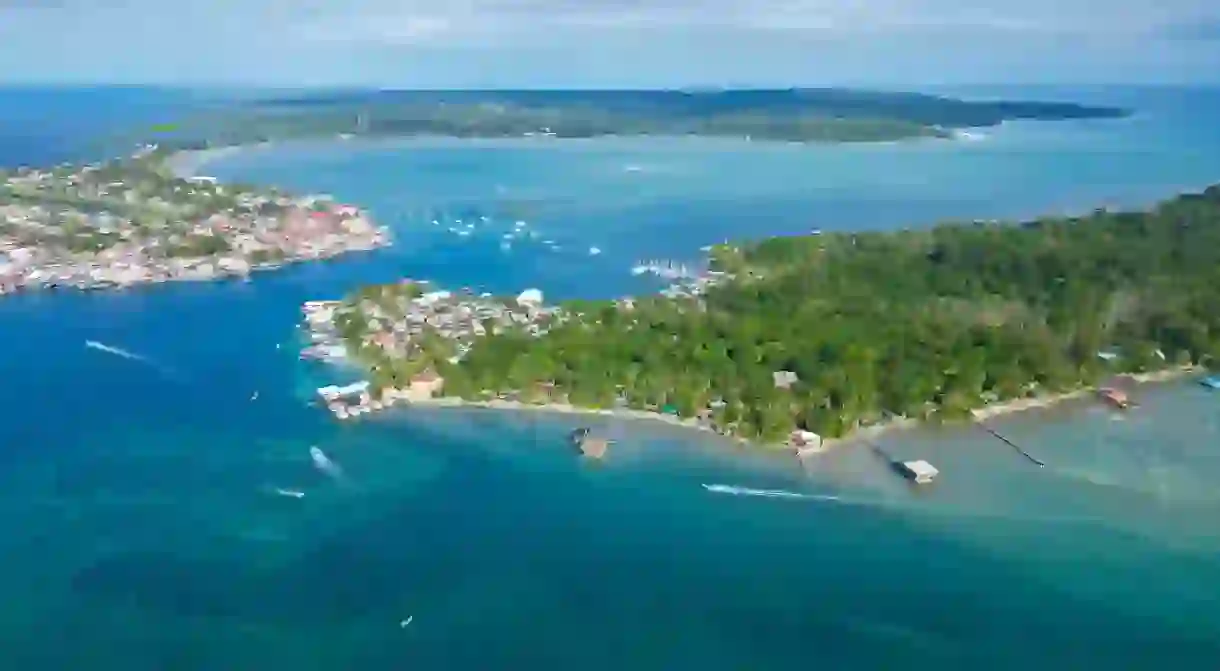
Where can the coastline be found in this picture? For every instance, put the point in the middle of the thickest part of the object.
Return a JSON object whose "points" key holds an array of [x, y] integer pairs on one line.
{"points": [[978, 415], [215, 275], [566, 409], [190, 163], [1016, 405]]}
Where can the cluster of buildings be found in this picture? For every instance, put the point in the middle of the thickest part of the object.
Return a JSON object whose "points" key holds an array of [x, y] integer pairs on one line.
{"points": [[694, 287], [355, 399], [325, 344], [131, 222], [401, 322], [399, 326]]}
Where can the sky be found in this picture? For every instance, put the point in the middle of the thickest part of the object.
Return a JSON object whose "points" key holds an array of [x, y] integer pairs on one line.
{"points": [[608, 43]]}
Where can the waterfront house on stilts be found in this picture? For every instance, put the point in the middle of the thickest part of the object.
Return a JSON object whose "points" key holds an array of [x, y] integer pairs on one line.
{"points": [[919, 471]]}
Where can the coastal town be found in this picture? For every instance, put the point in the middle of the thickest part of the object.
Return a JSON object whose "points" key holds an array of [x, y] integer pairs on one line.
{"points": [[399, 331], [133, 221], [403, 334]]}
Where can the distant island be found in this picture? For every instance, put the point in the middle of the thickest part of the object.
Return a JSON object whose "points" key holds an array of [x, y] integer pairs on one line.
{"points": [[792, 115], [132, 221], [824, 334]]}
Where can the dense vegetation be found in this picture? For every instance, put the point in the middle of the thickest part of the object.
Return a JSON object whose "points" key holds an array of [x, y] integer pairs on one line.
{"points": [[918, 323], [805, 115]]}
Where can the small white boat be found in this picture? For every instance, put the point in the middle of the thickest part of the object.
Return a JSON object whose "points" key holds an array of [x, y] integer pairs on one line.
{"points": [[594, 251], [291, 493]]}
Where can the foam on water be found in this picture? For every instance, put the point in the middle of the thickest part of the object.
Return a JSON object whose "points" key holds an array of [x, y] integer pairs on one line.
{"points": [[769, 493], [131, 356]]}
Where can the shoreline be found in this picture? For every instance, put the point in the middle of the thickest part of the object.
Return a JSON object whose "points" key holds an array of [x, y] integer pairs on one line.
{"points": [[566, 409], [188, 163], [978, 415], [216, 277], [1015, 406]]}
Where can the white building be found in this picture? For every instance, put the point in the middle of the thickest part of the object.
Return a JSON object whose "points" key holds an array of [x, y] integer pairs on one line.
{"points": [[530, 297], [432, 297], [919, 471]]}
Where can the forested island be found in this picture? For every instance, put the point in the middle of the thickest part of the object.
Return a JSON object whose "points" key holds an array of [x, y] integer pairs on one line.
{"points": [[832, 332], [796, 115]]}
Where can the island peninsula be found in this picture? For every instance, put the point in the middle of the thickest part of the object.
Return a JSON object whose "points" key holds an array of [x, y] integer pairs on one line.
{"points": [[131, 221], [823, 333], [790, 115]]}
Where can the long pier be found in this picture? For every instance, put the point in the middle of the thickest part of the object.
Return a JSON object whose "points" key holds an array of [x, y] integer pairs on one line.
{"points": [[878, 450], [1011, 444]]}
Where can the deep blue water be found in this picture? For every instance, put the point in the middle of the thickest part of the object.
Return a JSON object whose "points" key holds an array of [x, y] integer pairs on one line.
{"points": [[139, 528], [42, 126]]}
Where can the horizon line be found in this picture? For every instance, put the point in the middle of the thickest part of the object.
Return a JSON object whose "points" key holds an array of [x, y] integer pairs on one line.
{"points": [[694, 88]]}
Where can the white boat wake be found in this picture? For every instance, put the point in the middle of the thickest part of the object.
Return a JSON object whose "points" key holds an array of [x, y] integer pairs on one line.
{"points": [[769, 493], [117, 351], [130, 356], [932, 511]]}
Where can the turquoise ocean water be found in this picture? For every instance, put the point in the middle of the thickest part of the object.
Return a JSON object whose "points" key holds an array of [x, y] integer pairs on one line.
{"points": [[140, 529]]}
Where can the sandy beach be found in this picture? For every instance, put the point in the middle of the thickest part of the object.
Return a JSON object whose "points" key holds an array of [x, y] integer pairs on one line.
{"points": [[1042, 402], [564, 409], [992, 411], [1019, 405], [190, 163]]}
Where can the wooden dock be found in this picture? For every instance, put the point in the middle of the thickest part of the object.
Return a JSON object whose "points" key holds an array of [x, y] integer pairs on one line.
{"points": [[1011, 444]]}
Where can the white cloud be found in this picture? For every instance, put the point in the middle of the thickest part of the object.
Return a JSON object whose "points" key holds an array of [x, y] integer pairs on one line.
{"points": [[593, 42], [464, 22], [405, 30]]}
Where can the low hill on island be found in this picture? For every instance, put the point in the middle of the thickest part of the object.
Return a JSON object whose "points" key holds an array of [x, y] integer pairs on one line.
{"points": [[794, 115]]}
